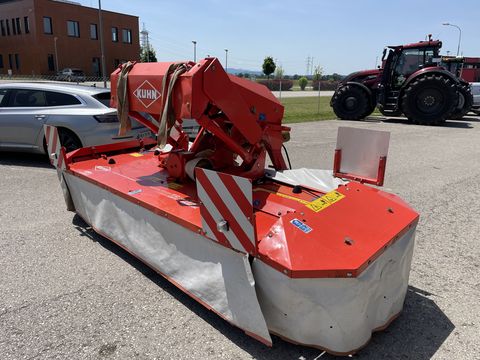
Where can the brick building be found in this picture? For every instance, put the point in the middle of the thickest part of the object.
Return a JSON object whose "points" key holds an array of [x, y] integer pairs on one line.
{"points": [[39, 37]]}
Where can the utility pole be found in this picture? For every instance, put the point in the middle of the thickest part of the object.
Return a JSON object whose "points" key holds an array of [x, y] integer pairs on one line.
{"points": [[226, 61], [194, 50], [102, 48], [56, 53]]}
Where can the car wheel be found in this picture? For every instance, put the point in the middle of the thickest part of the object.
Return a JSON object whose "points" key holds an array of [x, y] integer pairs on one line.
{"points": [[69, 140]]}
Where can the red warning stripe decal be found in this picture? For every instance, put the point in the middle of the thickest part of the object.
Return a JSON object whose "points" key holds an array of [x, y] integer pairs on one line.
{"points": [[227, 199]]}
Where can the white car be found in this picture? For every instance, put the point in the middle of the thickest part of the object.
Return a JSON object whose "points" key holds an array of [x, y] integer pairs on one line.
{"points": [[81, 114], [72, 75], [476, 97]]}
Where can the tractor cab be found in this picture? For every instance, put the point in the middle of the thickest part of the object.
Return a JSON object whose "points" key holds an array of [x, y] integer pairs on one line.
{"points": [[403, 61]]}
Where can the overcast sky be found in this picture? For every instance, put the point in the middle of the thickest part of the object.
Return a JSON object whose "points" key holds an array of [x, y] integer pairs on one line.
{"points": [[341, 35]]}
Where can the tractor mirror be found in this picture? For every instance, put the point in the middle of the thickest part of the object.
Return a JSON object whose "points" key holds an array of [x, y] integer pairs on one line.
{"points": [[361, 155]]}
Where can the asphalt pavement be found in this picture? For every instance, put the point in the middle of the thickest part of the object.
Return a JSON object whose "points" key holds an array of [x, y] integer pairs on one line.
{"points": [[67, 293]]}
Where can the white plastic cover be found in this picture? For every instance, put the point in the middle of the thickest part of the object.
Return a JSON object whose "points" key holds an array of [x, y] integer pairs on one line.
{"points": [[322, 180], [218, 277], [361, 150], [338, 315]]}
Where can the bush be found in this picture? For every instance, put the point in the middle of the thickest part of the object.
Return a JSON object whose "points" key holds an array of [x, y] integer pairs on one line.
{"points": [[302, 82], [274, 84], [325, 85]]}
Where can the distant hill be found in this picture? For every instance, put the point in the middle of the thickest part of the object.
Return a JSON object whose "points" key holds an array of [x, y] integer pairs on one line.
{"points": [[243, 71]]}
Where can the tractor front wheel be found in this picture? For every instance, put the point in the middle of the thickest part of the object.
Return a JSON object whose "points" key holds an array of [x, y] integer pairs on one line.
{"points": [[430, 99], [351, 102], [465, 102]]}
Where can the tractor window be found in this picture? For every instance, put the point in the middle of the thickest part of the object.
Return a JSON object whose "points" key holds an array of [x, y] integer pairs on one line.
{"points": [[409, 61]]}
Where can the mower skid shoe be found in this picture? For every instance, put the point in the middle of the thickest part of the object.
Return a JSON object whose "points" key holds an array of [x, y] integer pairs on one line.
{"points": [[218, 277], [56, 155], [336, 314]]}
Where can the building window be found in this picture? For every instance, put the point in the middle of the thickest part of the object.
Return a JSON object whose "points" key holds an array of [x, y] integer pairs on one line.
{"points": [[10, 61], [114, 34], [1, 61], [26, 25], [19, 30], [93, 32], [14, 28], [47, 25], [73, 28], [2, 27], [96, 66], [127, 36], [8, 27], [17, 61], [51, 62]]}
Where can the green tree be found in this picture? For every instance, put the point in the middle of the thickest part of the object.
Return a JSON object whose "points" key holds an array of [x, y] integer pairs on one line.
{"points": [[148, 55], [268, 66], [336, 77], [279, 72], [317, 73], [303, 81]]}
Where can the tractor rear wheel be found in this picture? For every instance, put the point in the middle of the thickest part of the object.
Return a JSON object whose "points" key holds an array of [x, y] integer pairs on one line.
{"points": [[465, 102], [351, 102], [430, 99]]}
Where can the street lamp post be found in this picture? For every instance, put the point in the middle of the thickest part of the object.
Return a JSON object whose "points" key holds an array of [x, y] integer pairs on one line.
{"points": [[102, 49], [194, 50], [459, 35], [56, 53], [226, 60]]}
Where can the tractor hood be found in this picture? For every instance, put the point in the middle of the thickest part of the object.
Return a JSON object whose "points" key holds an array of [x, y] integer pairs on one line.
{"points": [[360, 76]]}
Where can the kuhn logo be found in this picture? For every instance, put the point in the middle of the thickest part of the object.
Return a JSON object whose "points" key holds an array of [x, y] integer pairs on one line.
{"points": [[147, 94]]}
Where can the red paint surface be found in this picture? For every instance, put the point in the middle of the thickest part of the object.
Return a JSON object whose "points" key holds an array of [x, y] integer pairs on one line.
{"points": [[371, 218]]}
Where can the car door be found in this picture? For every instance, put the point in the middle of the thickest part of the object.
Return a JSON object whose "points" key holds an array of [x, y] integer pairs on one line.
{"points": [[22, 116]]}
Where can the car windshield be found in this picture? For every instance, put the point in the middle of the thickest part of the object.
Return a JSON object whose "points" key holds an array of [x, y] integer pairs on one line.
{"points": [[77, 72], [103, 97]]}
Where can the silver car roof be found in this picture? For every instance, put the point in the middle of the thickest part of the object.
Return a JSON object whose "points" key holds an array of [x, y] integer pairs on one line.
{"points": [[70, 88]]}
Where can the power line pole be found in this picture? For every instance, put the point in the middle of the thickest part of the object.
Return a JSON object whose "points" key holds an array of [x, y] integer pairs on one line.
{"points": [[102, 47], [308, 65], [145, 43]]}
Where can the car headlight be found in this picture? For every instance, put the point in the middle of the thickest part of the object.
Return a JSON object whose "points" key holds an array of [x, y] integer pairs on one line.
{"points": [[106, 118]]}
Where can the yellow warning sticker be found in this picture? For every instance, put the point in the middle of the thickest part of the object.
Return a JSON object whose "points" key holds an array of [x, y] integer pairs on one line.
{"points": [[136, 154], [174, 186], [325, 201]]}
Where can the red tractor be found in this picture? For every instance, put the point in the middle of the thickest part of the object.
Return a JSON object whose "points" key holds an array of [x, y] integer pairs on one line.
{"points": [[411, 81]]}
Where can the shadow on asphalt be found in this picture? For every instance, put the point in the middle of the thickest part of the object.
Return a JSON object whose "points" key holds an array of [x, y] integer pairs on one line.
{"points": [[417, 334], [25, 159], [464, 123]]}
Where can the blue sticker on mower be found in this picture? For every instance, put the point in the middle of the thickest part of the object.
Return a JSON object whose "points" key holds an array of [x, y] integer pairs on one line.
{"points": [[304, 227]]}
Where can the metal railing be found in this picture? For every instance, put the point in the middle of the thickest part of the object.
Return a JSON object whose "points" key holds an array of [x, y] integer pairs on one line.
{"points": [[85, 80]]}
